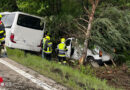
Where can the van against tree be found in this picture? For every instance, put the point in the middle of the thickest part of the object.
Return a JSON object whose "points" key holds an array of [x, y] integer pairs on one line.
{"points": [[23, 31], [95, 56]]}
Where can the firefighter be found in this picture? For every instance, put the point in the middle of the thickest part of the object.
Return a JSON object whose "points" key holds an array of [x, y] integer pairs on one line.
{"points": [[47, 48], [62, 51], [43, 43], [2, 37]]}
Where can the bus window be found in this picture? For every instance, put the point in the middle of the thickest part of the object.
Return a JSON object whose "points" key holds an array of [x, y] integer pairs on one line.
{"points": [[29, 22], [8, 20]]}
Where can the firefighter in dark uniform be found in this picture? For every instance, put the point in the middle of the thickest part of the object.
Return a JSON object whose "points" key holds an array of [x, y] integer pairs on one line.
{"points": [[43, 43], [2, 36], [47, 48]]}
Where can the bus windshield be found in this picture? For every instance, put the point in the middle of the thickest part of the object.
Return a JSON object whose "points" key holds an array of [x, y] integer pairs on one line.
{"points": [[29, 22], [8, 20]]}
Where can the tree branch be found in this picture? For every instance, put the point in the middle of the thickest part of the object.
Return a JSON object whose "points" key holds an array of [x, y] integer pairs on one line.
{"points": [[91, 1], [84, 19], [81, 29], [82, 26], [87, 10], [96, 2]]}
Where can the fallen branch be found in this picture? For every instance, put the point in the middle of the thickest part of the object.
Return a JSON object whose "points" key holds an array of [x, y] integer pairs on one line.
{"points": [[113, 62]]}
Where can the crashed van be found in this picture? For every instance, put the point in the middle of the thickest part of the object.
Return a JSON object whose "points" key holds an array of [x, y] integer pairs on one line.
{"points": [[95, 55], [23, 31]]}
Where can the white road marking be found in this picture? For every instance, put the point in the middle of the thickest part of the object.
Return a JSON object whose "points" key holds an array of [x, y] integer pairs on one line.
{"points": [[28, 76]]}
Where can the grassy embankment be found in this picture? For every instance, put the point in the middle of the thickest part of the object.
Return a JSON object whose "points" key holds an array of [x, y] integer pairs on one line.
{"points": [[67, 76]]}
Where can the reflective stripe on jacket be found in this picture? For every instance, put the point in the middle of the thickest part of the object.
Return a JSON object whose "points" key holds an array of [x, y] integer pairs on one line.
{"points": [[62, 50], [48, 47], [2, 31]]}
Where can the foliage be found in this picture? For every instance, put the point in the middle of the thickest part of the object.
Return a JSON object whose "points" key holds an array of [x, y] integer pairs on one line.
{"points": [[123, 4], [125, 58], [61, 25], [49, 7], [8, 5], [32, 6], [58, 26], [111, 29], [72, 7]]}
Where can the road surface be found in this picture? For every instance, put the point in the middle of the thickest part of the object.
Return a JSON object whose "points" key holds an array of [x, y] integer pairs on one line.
{"points": [[18, 77]]}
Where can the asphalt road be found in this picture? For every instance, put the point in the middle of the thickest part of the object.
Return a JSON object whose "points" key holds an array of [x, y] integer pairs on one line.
{"points": [[18, 77]]}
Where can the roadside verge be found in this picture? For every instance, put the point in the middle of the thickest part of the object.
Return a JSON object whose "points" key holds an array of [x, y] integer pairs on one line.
{"points": [[65, 75]]}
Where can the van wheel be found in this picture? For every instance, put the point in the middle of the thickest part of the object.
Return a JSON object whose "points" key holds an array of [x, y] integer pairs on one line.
{"points": [[93, 62]]}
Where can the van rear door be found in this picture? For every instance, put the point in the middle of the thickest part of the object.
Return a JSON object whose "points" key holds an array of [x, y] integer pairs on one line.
{"points": [[28, 32], [8, 20]]}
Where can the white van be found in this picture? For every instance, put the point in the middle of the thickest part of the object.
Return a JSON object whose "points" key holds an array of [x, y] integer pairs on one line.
{"points": [[23, 31], [94, 55]]}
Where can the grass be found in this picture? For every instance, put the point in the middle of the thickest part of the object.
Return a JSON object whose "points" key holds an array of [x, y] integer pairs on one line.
{"points": [[74, 79]]}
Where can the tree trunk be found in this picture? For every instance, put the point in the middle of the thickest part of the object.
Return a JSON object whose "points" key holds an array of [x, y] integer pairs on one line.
{"points": [[87, 36], [91, 16]]}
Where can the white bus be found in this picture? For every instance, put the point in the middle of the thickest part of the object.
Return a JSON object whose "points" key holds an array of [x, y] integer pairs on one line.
{"points": [[23, 31]]}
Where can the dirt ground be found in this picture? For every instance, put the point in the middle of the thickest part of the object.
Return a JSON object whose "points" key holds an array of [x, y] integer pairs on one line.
{"points": [[118, 77]]}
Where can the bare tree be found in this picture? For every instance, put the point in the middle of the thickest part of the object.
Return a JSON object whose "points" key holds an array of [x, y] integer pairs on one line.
{"points": [[86, 28]]}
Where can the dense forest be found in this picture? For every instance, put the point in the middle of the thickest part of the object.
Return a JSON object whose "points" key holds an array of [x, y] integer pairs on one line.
{"points": [[110, 26]]}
